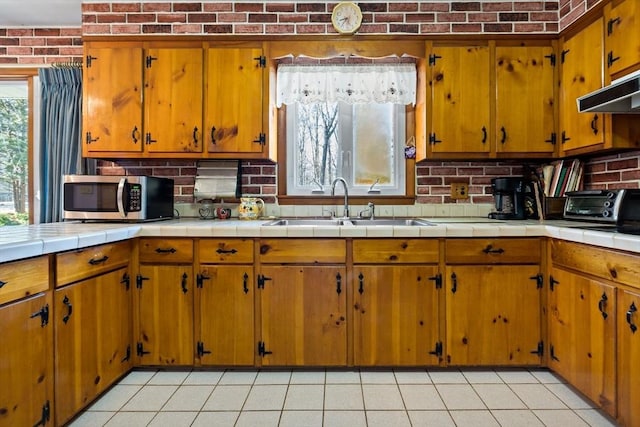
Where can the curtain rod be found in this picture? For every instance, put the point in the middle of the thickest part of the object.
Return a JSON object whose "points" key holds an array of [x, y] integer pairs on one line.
{"points": [[68, 64]]}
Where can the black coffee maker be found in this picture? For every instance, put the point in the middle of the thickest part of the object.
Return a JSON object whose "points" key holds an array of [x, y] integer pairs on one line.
{"points": [[509, 198]]}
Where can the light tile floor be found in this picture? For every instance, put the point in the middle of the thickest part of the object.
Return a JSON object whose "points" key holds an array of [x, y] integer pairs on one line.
{"points": [[350, 398]]}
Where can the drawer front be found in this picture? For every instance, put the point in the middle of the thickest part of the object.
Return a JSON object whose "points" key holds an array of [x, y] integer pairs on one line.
{"points": [[492, 251], [19, 279], [600, 262], [303, 251], [76, 265], [166, 250], [395, 251], [226, 251]]}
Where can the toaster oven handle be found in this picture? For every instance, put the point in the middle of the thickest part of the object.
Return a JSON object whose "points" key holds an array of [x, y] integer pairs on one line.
{"points": [[120, 196]]}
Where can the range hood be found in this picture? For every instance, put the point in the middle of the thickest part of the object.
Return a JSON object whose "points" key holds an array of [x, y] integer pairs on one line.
{"points": [[622, 96]]}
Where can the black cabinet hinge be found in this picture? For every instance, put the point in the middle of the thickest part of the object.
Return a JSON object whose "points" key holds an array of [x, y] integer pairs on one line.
{"points": [[261, 279], [552, 354], [45, 415], [262, 139], [433, 139], [262, 61], [149, 60], [89, 60], [552, 59], [140, 351], [564, 137], [552, 140], [262, 351], [139, 280], [437, 279], [44, 315], [563, 55], [200, 278], [433, 58], [2, 283], [201, 350], [127, 355], [611, 59], [539, 278], [438, 349], [611, 23], [540, 350], [552, 282], [126, 281], [89, 139]]}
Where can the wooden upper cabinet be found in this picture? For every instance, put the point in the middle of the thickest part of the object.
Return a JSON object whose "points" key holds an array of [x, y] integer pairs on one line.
{"points": [[622, 22], [581, 62], [459, 81], [173, 100], [234, 101], [524, 103], [112, 100]]}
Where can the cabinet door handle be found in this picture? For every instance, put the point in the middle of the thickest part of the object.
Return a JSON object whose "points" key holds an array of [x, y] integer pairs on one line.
{"points": [[195, 136], [338, 283], [213, 136], [133, 134], [183, 283], [226, 251], [2, 283], [454, 283], [490, 250], [602, 305], [361, 280], [94, 261], [594, 124], [632, 309], [245, 286], [67, 302], [484, 134], [165, 251], [504, 135]]}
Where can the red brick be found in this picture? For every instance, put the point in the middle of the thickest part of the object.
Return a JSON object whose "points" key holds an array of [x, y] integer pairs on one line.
{"points": [[156, 7], [280, 7], [451, 17], [139, 18], [293, 17], [218, 29], [388, 17], [528, 5], [310, 7], [203, 17], [125, 7], [434, 28], [156, 29], [311, 29], [497, 6], [126, 29], [543, 16], [19, 50], [96, 7], [111, 18], [403, 7], [89, 19], [373, 7], [44, 51], [510, 17], [420, 17], [172, 17], [33, 41], [606, 177], [46, 32], [483, 17], [249, 7], [631, 163], [248, 28], [279, 29], [373, 29], [59, 41], [232, 17], [218, 7], [404, 28], [465, 6], [466, 28], [19, 32], [96, 29], [75, 51], [73, 32], [498, 28], [187, 28], [551, 27], [537, 27], [187, 7], [434, 7], [263, 18]]}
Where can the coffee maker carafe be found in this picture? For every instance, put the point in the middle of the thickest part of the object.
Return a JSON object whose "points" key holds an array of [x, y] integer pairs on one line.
{"points": [[508, 195]]}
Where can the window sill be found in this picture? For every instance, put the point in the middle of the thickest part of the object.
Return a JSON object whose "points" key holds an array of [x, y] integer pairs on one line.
{"points": [[339, 199]]}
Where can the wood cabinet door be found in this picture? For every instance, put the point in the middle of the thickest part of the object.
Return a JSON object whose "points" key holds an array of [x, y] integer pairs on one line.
{"points": [[395, 314], [303, 315], [165, 315], [226, 315], [92, 330], [26, 361], [234, 100], [524, 105], [460, 106], [173, 100], [622, 26], [628, 357], [493, 315], [581, 62], [112, 100], [582, 335]]}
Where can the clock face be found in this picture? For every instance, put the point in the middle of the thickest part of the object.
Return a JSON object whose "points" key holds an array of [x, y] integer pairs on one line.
{"points": [[346, 17]]}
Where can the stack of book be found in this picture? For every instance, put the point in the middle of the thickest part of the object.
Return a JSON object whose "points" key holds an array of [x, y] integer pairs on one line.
{"points": [[562, 176]]}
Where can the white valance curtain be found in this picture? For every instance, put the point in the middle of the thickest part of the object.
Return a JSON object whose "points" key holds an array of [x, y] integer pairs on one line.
{"points": [[353, 84]]}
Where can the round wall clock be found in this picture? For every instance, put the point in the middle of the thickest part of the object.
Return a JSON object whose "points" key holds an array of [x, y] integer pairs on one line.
{"points": [[346, 17]]}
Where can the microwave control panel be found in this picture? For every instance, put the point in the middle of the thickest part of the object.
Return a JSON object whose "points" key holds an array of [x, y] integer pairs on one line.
{"points": [[135, 197]]}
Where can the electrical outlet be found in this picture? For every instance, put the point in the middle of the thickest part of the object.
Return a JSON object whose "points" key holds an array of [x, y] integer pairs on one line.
{"points": [[459, 190]]}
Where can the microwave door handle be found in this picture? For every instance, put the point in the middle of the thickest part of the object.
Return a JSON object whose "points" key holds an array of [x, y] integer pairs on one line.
{"points": [[120, 197]]}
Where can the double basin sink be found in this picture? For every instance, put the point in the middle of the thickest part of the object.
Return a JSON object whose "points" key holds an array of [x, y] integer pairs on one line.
{"points": [[358, 222]]}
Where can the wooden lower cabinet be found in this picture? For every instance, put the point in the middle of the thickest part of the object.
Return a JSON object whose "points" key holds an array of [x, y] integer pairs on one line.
{"points": [[303, 315], [26, 394], [582, 335], [628, 319], [92, 339], [493, 315], [395, 315]]}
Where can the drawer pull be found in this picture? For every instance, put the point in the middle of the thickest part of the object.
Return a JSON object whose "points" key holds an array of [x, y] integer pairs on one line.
{"points": [[632, 309], [338, 284], [183, 283], [602, 304], [166, 251], [490, 250], [2, 283], [361, 280], [245, 279], [226, 251], [93, 261], [454, 283], [67, 302]]}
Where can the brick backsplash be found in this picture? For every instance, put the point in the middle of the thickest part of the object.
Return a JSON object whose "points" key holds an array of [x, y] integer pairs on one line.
{"points": [[613, 171], [35, 46]]}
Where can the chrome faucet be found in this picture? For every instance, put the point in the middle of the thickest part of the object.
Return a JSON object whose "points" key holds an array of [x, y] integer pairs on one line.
{"points": [[370, 211], [346, 194]]}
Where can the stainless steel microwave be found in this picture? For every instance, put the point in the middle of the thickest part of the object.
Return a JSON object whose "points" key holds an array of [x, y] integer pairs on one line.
{"points": [[117, 198]]}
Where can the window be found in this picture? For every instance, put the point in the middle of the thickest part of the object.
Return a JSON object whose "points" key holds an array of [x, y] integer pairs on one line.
{"points": [[346, 121]]}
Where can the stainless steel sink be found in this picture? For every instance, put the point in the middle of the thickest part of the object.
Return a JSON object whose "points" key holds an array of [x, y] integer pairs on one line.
{"points": [[307, 221], [411, 222], [331, 222]]}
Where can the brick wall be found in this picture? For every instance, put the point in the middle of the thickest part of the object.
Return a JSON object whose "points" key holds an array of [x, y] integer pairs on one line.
{"points": [[571, 10], [34, 46], [613, 171]]}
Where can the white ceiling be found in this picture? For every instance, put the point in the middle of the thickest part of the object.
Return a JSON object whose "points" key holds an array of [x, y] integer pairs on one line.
{"points": [[40, 13]]}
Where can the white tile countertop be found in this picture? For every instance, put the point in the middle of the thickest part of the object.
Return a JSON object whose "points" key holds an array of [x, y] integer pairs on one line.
{"points": [[18, 242]]}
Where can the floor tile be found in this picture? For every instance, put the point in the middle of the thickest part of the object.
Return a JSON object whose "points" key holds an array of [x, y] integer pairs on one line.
{"points": [[382, 396], [116, 398], [474, 419], [387, 418], [128, 419], [238, 377], [301, 418], [595, 418], [258, 418], [273, 377], [537, 396], [304, 397], [343, 396], [517, 377], [421, 397], [377, 377], [217, 419], [560, 418], [546, 377], [173, 419], [168, 378], [345, 419], [431, 419], [150, 398], [459, 396], [343, 377], [265, 398], [189, 398], [447, 377], [137, 377], [516, 417], [92, 419], [227, 398], [203, 378], [482, 377], [307, 377], [412, 377], [569, 396], [498, 396]]}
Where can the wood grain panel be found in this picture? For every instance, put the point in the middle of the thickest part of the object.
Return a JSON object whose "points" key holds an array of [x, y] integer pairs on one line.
{"points": [[76, 265], [303, 251], [395, 251], [19, 279], [492, 251], [159, 250], [226, 251]]}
